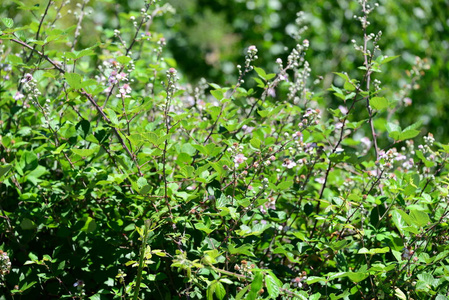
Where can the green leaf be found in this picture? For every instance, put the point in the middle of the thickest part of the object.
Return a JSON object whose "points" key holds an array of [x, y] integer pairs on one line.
{"points": [[428, 279], [218, 94], [315, 296], [395, 135], [419, 218], [27, 224], [357, 276], [123, 59], [378, 103], [343, 76], [273, 286], [89, 226], [141, 182], [14, 59], [245, 249], [408, 134], [203, 227], [255, 142], [259, 82], [112, 116], [400, 219], [263, 113], [373, 250], [349, 86], [85, 152], [28, 161], [284, 185], [8, 22], [138, 139], [5, 169], [210, 290], [256, 286], [392, 127], [83, 128], [242, 293], [260, 72], [74, 80], [188, 148], [400, 294], [387, 59], [220, 291], [415, 126]]}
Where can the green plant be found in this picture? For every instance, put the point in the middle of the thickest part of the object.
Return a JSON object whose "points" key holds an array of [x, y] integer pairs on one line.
{"points": [[121, 180]]}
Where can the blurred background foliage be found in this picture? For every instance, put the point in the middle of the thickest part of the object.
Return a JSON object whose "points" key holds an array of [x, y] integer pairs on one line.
{"points": [[205, 37]]}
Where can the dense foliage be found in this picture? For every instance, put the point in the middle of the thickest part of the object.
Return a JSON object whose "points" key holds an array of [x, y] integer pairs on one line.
{"points": [[120, 179]]}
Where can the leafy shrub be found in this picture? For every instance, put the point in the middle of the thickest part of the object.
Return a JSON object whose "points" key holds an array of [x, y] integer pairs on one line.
{"points": [[120, 180]]}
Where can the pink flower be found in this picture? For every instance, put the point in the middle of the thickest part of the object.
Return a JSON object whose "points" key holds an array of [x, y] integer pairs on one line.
{"points": [[252, 48], [27, 78], [239, 158], [343, 109], [18, 96]]}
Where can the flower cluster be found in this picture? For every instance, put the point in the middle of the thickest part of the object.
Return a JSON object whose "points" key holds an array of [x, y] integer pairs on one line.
{"points": [[297, 281], [5, 264], [244, 267], [311, 117], [238, 156], [251, 55]]}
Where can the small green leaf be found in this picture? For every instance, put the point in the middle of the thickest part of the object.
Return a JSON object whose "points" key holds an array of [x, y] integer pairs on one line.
{"points": [[123, 59], [357, 276], [85, 152], [27, 224], [203, 227], [373, 250], [378, 103], [112, 116], [218, 94], [242, 293], [408, 134], [273, 286], [261, 72], [5, 169], [220, 291], [89, 226], [256, 285], [395, 135], [284, 185], [8, 22], [349, 86], [392, 127], [28, 161], [245, 249], [83, 128], [255, 142], [400, 294], [74, 80], [419, 218], [14, 59], [387, 59]]}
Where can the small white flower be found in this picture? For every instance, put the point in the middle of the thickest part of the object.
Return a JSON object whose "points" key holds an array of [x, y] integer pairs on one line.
{"points": [[124, 91], [289, 164]]}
